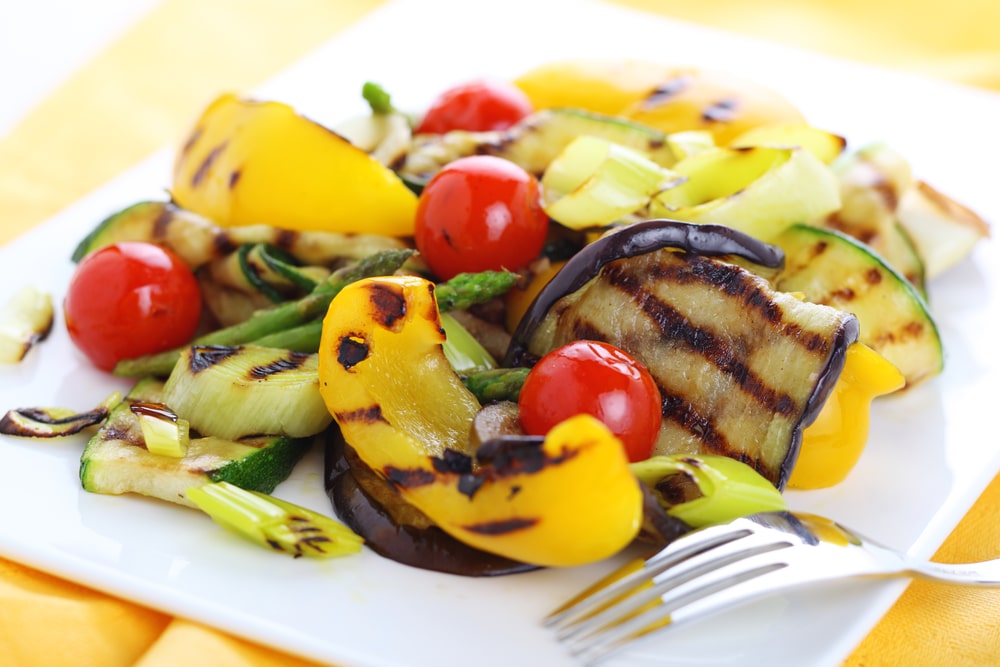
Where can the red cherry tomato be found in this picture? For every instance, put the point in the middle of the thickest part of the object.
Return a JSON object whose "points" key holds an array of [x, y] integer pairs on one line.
{"points": [[597, 379], [480, 213], [130, 299], [476, 106]]}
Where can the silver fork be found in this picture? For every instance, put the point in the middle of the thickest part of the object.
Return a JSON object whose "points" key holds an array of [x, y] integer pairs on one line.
{"points": [[720, 566]]}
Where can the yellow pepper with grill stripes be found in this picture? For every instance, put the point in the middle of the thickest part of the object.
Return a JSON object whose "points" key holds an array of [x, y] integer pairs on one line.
{"points": [[249, 162], [566, 500]]}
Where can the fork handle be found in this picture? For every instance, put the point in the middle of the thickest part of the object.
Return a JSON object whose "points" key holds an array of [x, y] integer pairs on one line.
{"points": [[985, 573]]}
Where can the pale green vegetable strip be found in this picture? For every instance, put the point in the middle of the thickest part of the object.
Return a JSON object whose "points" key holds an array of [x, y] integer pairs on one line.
{"points": [[595, 182], [275, 523], [167, 437], [730, 488], [24, 320], [463, 351]]}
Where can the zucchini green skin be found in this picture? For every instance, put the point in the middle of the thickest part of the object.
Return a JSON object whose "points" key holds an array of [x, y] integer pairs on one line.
{"points": [[893, 243], [832, 268], [131, 223], [116, 461]]}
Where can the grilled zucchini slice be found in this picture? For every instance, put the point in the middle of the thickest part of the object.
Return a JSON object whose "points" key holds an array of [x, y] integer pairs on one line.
{"points": [[873, 181], [534, 142], [834, 269], [116, 461], [198, 240]]}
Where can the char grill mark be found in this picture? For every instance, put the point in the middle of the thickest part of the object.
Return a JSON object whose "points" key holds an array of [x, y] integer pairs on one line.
{"points": [[674, 325], [290, 362], [204, 357]]}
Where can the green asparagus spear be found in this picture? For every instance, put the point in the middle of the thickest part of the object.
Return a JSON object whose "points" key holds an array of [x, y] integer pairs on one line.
{"points": [[497, 384], [468, 289], [303, 338], [458, 293], [273, 320]]}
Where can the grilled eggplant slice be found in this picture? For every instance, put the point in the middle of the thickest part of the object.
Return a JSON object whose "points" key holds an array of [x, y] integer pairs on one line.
{"points": [[742, 368], [394, 528]]}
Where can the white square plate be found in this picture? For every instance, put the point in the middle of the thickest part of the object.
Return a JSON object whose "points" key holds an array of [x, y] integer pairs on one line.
{"points": [[928, 458]]}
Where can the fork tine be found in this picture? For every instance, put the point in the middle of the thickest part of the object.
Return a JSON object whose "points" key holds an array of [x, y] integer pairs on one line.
{"points": [[622, 581], [610, 638], [630, 603]]}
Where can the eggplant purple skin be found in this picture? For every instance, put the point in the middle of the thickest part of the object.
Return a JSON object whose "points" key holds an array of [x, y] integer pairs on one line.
{"points": [[631, 241], [427, 548], [828, 378], [705, 239]]}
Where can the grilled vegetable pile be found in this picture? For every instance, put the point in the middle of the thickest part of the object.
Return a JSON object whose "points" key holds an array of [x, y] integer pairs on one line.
{"points": [[545, 319]]}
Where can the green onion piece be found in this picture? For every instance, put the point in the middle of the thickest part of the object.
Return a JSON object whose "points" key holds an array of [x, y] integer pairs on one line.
{"points": [[163, 431], [275, 523], [730, 489], [595, 182], [463, 351]]}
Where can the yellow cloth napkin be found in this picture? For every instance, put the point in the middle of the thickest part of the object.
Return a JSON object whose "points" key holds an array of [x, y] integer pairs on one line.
{"points": [[141, 89]]}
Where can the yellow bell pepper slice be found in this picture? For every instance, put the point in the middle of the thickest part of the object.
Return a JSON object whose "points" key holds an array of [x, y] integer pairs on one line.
{"points": [[518, 299], [570, 500], [759, 190], [669, 98], [260, 162], [725, 104], [600, 85], [832, 444]]}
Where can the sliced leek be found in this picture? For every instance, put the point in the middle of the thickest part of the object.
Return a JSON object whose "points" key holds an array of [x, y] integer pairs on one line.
{"points": [[594, 182], [729, 488], [233, 392], [163, 431], [274, 523], [760, 190], [24, 320], [689, 142]]}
